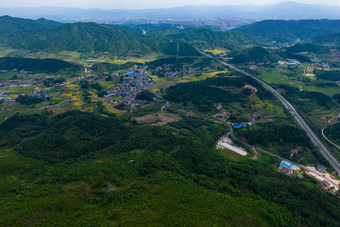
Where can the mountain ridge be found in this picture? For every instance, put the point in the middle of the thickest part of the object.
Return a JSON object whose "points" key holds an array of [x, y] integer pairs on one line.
{"points": [[290, 29], [284, 10], [88, 37]]}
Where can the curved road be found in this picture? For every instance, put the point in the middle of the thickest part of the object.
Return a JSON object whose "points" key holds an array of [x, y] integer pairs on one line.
{"points": [[324, 136], [315, 140]]}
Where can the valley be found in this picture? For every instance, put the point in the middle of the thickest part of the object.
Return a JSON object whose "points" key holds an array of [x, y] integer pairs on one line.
{"points": [[102, 125]]}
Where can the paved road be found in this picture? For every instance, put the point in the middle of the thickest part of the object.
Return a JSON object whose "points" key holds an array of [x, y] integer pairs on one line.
{"points": [[323, 134], [315, 140], [231, 132]]}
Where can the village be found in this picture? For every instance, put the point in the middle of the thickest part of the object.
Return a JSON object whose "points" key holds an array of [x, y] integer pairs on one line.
{"points": [[133, 83], [128, 84]]}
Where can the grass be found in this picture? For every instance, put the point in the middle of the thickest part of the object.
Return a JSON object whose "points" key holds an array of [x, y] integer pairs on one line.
{"points": [[107, 84], [57, 100], [215, 51], [118, 98], [73, 96], [158, 79], [110, 108], [78, 103], [309, 184], [275, 78], [267, 108], [72, 85], [12, 96], [231, 155], [114, 111], [212, 74], [7, 75], [12, 89], [71, 56], [4, 51], [132, 59], [326, 90], [89, 108]]}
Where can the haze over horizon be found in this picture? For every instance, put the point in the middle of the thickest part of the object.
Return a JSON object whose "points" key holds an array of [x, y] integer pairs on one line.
{"points": [[149, 4]]}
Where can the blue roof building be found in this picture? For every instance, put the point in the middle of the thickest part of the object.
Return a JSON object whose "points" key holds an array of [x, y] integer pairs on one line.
{"points": [[292, 63], [287, 164], [240, 126], [321, 168], [89, 61]]}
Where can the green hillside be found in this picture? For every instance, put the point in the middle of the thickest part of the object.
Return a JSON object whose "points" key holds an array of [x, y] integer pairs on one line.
{"points": [[328, 75], [108, 67], [79, 169], [255, 54], [43, 35], [205, 38], [333, 132], [13, 24], [299, 29], [332, 39], [307, 47], [287, 54], [87, 37], [14, 29], [38, 65]]}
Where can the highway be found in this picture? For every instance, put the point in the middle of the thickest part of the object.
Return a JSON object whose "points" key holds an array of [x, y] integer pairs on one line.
{"points": [[315, 140]]}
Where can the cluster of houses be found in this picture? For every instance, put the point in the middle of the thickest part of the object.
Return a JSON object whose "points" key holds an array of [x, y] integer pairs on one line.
{"points": [[43, 94], [166, 70], [88, 77], [56, 84], [321, 64], [133, 83], [289, 168]]}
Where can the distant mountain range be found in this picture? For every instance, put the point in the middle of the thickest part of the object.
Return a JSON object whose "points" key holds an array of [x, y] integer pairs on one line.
{"points": [[49, 36], [285, 10], [292, 29], [43, 35]]}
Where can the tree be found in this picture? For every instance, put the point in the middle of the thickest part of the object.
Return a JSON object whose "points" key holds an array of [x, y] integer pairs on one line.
{"points": [[84, 84]]}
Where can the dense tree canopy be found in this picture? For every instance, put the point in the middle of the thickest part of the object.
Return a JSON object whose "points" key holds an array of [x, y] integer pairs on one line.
{"points": [[78, 168]]}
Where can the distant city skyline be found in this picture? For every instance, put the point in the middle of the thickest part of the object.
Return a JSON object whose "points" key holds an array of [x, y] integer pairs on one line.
{"points": [[147, 4]]}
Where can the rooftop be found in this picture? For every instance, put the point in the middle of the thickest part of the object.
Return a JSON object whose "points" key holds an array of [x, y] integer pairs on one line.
{"points": [[287, 164]]}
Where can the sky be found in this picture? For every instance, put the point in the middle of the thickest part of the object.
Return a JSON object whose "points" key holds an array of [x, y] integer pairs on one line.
{"points": [[145, 4]]}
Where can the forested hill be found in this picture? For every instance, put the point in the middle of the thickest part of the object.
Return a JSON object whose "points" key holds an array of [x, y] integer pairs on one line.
{"points": [[86, 37], [12, 24], [42, 35], [15, 30], [291, 29], [38, 65], [79, 168], [205, 38], [254, 54], [327, 39]]}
